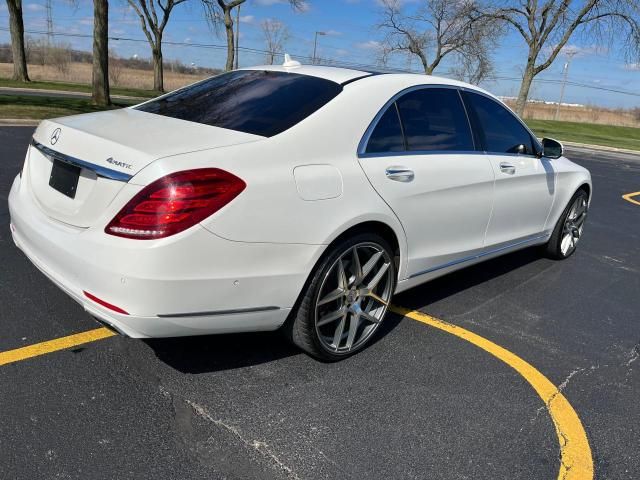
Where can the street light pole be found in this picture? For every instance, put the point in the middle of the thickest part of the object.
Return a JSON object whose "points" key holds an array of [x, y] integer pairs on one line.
{"points": [[237, 37], [315, 45], [564, 82]]}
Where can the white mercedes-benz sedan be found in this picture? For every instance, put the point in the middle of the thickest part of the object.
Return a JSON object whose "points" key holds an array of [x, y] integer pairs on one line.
{"points": [[294, 197]]}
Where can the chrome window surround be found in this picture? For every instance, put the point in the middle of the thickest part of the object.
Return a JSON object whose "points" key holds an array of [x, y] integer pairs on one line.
{"points": [[97, 169], [362, 145], [534, 138]]}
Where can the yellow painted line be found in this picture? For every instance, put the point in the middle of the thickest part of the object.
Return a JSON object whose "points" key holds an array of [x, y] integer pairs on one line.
{"points": [[49, 346], [627, 197], [576, 462]]}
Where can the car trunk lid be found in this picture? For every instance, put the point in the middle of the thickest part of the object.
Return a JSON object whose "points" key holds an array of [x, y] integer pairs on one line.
{"points": [[104, 151]]}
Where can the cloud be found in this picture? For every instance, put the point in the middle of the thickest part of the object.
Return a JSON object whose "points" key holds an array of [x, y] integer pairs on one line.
{"points": [[34, 7], [268, 3], [633, 67], [369, 45], [396, 3], [304, 7], [247, 19], [577, 51]]}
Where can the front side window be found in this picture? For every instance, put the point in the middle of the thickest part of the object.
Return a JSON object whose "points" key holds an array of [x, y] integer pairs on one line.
{"points": [[387, 135], [253, 101], [434, 119], [500, 131]]}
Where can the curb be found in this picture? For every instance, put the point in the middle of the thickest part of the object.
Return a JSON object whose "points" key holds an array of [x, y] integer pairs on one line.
{"points": [[600, 147], [19, 122], [41, 92]]}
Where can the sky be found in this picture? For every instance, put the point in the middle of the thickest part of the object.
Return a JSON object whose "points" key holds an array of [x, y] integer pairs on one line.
{"points": [[351, 36]]}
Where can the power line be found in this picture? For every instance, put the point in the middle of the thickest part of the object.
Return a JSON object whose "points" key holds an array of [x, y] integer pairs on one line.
{"points": [[337, 62], [202, 45]]}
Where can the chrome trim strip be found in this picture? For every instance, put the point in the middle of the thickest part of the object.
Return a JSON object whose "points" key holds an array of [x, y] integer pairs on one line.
{"points": [[513, 114], [362, 146], [420, 152], [479, 255], [99, 170], [219, 312]]}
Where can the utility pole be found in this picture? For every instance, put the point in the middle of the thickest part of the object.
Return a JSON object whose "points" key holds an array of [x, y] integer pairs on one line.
{"points": [[315, 46], [237, 37], [49, 22], [564, 82]]}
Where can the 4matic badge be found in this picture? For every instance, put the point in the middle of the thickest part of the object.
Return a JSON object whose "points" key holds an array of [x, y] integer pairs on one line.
{"points": [[119, 164]]}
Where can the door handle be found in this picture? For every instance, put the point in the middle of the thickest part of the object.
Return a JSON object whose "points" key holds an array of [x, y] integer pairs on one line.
{"points": [[399, 174], [508, 168]]}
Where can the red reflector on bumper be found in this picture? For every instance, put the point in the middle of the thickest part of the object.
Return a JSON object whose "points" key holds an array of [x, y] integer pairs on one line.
{"points": [[104, 304]]}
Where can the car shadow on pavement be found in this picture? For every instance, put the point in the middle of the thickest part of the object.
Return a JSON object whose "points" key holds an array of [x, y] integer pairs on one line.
{"points": [[211, 353]]}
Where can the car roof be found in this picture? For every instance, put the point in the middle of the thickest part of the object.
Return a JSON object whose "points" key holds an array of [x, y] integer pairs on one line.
{"points": [[348, 75]]}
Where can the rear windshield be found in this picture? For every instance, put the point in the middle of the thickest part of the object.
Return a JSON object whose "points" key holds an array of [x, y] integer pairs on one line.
{"points": [[252, 101]]}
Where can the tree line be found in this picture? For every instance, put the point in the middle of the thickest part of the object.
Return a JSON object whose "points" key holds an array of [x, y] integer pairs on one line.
{"points": [[467, 32]]}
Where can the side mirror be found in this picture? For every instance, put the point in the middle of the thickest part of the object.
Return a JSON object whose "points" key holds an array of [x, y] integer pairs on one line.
{"points": [[552, 148]]}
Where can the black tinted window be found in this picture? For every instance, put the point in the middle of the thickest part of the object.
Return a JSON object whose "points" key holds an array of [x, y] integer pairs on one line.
{"points": [[252, 101], [387, 136], [500, 131], [434, 119]]}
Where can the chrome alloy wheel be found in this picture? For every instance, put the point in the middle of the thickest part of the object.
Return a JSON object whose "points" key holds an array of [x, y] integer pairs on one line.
{"points": [[354, 297], [573, 225]]}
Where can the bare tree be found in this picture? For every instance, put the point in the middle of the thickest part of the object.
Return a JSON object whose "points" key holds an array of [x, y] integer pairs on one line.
{"points": [[100, 75], [436, 30], [218, 13], [16, 25], [474, 62], [153, 26], [547, 27], [275, 35], [115, 68]]}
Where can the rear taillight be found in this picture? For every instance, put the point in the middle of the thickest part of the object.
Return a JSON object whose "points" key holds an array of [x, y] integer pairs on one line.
{"points": [[174, 203]]}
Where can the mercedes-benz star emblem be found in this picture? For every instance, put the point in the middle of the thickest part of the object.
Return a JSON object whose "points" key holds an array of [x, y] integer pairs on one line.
{"points": [[55, 136]]}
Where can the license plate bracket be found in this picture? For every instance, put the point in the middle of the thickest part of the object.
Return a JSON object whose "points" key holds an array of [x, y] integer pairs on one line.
{"points": [[64, 178]]}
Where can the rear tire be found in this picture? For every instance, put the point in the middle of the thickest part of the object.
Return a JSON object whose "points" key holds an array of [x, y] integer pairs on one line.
{"points": [[568, 230], [345, 299]]}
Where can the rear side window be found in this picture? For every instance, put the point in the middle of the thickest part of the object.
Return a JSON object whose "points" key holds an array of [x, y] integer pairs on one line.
{"points": [[499, 129], [253, 101], [387, 136], [434, 119]]}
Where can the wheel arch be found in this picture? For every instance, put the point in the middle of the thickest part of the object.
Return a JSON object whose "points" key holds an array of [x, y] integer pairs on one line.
{"points": [[587, 188], [395, 238], [372, 226]]}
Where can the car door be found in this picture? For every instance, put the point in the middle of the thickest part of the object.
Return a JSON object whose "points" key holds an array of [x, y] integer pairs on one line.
{"points": [[525, 183], [419, 155]]}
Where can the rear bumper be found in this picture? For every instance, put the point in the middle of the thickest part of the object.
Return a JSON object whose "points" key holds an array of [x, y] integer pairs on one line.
{"points": [[190, 284]]}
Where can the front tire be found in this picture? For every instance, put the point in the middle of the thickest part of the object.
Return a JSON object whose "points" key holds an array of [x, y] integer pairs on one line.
{"points": [[346, 299], [568, 230]]}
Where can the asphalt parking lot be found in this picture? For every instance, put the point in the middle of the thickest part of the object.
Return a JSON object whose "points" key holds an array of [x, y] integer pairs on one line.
{"points": [[419, 403]]}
